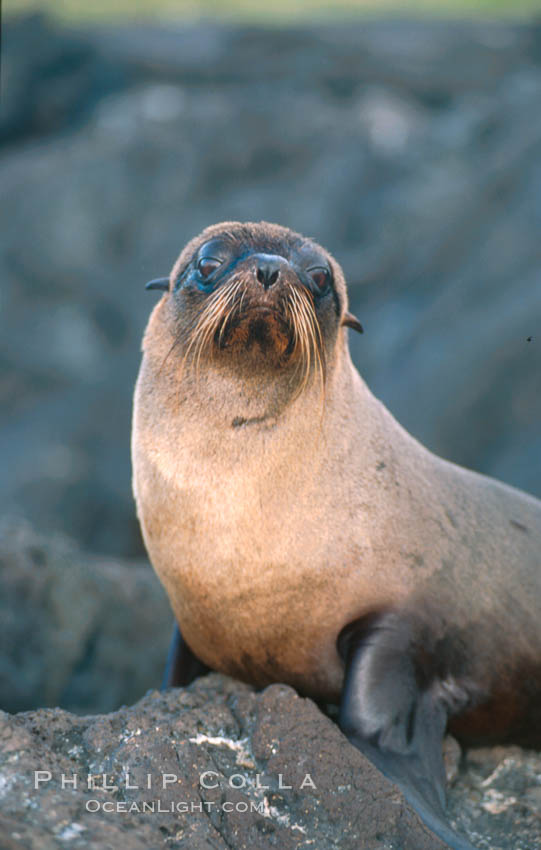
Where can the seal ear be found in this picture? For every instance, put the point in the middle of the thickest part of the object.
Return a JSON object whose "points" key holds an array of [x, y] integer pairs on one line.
{"points": [[158, 283], [351, 321]]}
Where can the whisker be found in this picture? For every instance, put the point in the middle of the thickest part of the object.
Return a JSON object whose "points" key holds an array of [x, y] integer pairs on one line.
{"points": [[314, 340], [234, 307], [304, 338], [318, 339], [214, 313], [166, 358], [299, 342]]}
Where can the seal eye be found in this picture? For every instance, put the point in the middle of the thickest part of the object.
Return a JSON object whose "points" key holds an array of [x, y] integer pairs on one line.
{"points": [[207, 265], [320, 277]]}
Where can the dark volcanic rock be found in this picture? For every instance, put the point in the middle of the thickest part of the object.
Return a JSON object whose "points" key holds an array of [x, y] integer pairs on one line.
{"points": [[84, 632], [218, 733], [157, 757], [498, 794], [411, 150]]}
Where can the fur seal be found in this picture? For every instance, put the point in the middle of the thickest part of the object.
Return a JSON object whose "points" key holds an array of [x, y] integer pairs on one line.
{"points": [[303, 536]]}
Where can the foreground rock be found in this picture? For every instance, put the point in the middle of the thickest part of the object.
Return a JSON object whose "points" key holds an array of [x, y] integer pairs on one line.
{"points": [[223, 752], [497, 798], [218, 734]]}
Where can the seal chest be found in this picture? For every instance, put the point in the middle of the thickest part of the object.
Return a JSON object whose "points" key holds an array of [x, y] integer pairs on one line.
{"points": [[246, 535]]}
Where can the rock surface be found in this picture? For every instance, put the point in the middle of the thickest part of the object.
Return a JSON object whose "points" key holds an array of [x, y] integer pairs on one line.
{"points": [[411, 150], [244, 745], [497, 798]]}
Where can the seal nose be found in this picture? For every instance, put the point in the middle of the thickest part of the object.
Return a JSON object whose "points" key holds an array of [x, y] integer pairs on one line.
{"points": [[268, 269]]}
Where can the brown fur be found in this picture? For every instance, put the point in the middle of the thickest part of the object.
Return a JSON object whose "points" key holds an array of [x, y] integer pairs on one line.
{"points": [[275, 516]]}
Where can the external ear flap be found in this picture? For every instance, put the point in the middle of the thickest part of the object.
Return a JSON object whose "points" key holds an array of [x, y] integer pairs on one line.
{"points": [[350, 321], [158, 283]]}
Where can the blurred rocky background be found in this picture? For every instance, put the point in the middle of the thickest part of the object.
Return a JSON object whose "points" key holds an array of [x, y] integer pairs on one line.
{"points": [[412, 150]]}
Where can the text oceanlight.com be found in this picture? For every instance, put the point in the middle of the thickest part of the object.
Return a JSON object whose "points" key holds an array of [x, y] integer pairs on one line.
{"points": [[180, 807]]}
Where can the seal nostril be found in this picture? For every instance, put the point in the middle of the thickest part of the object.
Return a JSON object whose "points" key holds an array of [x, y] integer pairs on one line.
{"points": [[267, 274], [268, 269]]}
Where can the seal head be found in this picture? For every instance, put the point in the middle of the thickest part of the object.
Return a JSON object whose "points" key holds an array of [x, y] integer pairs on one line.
{"points": [[258, 298]]}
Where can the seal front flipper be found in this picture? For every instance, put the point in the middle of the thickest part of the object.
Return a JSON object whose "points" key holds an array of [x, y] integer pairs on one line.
{"points": [[396, 713], [182, 666]]}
